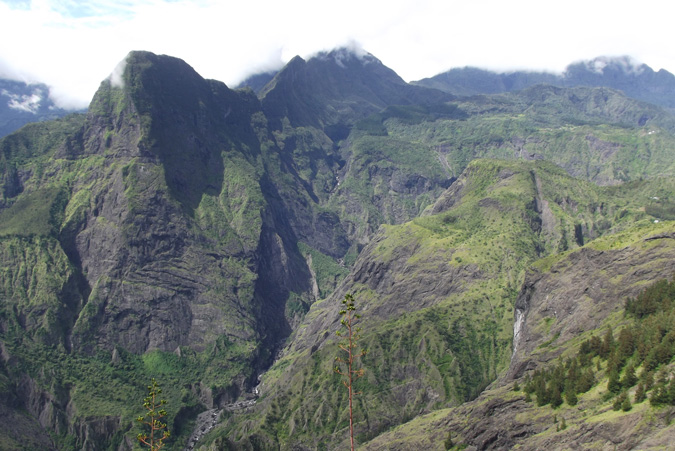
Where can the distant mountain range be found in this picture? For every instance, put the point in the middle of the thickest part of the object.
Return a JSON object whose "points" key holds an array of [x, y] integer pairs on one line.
{"points": [[21, 103], [622, 73]]}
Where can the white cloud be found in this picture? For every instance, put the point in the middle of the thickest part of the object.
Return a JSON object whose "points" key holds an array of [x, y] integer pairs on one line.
{"points": [[73, 45], [117, 74], [24, 102]]}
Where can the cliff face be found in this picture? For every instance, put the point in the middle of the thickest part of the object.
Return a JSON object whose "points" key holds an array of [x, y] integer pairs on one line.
{"points": [[142, 227], [578, 295], [582, 290], [156, 229], [168, 219]]}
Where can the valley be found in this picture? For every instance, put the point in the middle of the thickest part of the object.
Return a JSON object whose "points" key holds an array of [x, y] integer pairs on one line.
{"points": [[204, 236]]}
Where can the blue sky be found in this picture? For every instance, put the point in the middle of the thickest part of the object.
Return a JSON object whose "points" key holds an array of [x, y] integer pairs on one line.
{"points": [[74, 45]]}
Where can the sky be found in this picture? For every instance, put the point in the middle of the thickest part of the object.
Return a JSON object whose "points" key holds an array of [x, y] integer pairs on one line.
{"points": [[73, 45]]}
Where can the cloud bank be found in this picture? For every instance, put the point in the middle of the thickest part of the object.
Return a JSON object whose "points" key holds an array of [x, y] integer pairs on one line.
{"points": [[72, 45], [24, 102]]}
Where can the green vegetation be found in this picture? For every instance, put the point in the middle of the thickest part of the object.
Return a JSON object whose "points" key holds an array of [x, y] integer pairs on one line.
{"points": [[347, 366], [547, 123], [37, 213], [647, 343], [153, 419], [327, 271], [175, 194], [448, 351]]}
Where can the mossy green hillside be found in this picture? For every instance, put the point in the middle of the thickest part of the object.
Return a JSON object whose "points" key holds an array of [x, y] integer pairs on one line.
{"points": [[503, 411], [606, 140], [449, 331], [387, 181], [112, 384], [327, 272], [177, 215], [118, 195]]}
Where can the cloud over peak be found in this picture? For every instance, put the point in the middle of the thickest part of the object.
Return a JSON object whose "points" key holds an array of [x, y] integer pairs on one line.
{"points": [[71, 46]]}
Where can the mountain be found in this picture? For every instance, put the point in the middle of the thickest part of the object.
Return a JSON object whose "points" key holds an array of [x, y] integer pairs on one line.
{"points": [[439, 296], [556, 316], [257, 81], [204, 236], [21, 103], [621, 73], [334, 89]]}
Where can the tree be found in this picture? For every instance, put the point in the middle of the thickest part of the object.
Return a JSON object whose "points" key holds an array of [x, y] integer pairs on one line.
{"points": [[556, 398], [571, 398], [640, 393], [152, 418], [345, 367], [614, 383], [629, 378], [449, 444]]}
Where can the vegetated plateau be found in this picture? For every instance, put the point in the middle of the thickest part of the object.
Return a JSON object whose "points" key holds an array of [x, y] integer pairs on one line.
{"points": [[203, 236]]}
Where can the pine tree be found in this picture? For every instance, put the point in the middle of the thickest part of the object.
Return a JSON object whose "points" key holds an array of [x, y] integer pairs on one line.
{"points": [[614, 384], [619, 400], [629, 378], [556, 398], [640, 393], [571, 398], [585, 382], [345, 367], [607, 344]]}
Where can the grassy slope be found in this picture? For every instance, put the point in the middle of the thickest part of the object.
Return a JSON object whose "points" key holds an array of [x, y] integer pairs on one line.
{"points": [[438, 325], [592, 423]]}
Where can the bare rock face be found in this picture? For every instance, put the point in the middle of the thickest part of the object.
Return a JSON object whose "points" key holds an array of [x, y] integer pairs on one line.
{"points": [[150, 267], [580, 291]]}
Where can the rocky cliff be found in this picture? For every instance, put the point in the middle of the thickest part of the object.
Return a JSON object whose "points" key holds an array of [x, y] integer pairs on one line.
{"points": [[574, 296]]}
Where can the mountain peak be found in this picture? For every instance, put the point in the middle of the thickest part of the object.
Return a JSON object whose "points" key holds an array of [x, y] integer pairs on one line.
{"points": [[622, 73], [344, 56], [603, 65], [338, 87]]}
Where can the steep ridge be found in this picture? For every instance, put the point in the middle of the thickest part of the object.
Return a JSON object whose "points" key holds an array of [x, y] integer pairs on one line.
{"points": [[166, 150], [173, 221], [332, 90], [153, 236], [564, 301], [437, 297]]}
